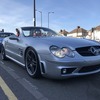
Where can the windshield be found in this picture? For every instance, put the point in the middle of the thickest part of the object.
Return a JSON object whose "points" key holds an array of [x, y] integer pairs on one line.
{"points": [[38, 32]]}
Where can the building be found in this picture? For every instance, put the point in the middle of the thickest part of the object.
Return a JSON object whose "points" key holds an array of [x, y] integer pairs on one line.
{"points": [[63, 32], [96, 33], [89, 36], [2, 30], [78, 32]]}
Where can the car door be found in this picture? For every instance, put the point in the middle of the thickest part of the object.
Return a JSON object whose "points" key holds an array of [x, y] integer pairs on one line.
{"points": [[14, 48]]}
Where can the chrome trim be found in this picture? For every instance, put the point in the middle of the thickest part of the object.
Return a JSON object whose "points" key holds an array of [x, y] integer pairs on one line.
{"points": [[94, 51], [15, 60]]}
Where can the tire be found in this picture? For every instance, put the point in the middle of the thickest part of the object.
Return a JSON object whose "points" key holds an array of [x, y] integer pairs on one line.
{"points": [[3, 55], [32, 63]]}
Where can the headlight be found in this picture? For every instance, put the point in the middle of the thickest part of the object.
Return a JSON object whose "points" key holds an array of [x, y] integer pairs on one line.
{"points": [[61, 52]]}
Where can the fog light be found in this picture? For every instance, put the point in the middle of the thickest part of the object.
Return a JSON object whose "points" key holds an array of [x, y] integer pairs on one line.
{"points": [[64, 71]]}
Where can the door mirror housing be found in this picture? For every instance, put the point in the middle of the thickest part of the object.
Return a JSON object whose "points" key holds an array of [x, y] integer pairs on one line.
{"points": [[14, 37]]}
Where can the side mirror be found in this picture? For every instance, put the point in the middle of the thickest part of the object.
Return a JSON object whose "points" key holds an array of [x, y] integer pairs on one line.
{"points": [[13, 38]]}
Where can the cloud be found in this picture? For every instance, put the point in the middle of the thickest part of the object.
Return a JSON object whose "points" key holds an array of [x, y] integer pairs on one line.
{"points": [[14, 14]]}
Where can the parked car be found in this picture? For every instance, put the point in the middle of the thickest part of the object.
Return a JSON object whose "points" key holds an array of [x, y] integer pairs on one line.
{"points": [[43, 52], [2, 36]]}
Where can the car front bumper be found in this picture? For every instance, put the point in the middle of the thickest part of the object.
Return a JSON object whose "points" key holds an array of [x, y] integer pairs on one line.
{"points": [[63, 68]]}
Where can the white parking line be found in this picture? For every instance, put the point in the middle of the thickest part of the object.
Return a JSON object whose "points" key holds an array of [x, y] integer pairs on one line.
{"points": [[7, 90]]}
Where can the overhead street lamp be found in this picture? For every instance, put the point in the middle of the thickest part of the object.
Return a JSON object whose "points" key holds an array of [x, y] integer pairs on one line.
{"points": [[48, 17], [41, 16]]}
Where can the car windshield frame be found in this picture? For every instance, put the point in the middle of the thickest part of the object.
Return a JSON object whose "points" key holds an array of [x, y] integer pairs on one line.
{"points": [[38, 32]]}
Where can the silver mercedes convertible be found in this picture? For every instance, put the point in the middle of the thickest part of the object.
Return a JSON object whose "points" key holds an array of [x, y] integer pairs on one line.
{"points": [[43, 52]]}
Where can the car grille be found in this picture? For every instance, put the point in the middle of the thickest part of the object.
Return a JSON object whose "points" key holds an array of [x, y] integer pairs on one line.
{"points": [[87, 51], [89, 68]]}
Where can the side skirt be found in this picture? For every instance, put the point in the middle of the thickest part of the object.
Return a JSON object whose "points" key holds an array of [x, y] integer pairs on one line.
{"points": [[15, 60]]}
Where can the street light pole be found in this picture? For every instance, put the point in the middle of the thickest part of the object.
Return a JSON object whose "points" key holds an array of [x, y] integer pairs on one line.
{"points": [[34, 19], [41, 16], [48, 17]]}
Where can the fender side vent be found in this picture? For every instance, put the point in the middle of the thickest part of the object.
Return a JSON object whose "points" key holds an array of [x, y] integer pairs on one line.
{"points": [[42, 68]]}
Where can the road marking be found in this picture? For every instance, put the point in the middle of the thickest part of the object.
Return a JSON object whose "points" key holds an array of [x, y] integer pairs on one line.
{"points": [[25, 83], [33, 86], [7, 90], [32, 89], [1, 62]]}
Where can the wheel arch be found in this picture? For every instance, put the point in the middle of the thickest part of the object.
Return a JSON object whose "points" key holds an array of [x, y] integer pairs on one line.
{"points": [[38, 58], [34, 51], [27, 49]]}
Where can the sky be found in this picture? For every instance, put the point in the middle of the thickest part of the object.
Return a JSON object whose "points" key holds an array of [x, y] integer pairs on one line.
{"points": [[68, 14]]}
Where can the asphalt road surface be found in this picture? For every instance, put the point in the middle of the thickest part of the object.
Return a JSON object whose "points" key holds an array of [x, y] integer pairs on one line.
{"points": [[16, 84]]}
